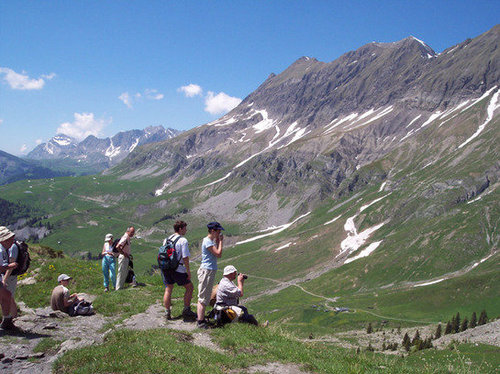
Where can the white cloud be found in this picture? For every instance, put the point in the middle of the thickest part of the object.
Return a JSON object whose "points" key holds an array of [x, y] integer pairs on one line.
{"points": [[153, 94], [149, 94], [21, 81], [191, 90], [127, 100], [84, 125], [220, 103], [38, 141], [23, 149]]}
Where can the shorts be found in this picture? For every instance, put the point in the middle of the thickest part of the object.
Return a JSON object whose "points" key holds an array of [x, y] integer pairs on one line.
{"points": [[171, 277], [12, 284], [206, 279]]}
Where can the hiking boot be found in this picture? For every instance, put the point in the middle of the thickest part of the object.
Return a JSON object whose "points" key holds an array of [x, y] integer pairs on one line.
{"points": [[135, 284], [202, 325], [168, 314], [187, 313], [7, 324]]}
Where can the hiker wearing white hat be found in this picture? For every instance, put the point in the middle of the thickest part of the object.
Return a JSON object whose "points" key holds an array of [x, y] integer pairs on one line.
{"points": [[108, 262], [60, 298], [228, 294], [8, 259]]}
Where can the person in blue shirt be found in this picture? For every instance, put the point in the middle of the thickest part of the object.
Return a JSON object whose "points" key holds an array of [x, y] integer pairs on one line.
{"points": [[211, 250]]}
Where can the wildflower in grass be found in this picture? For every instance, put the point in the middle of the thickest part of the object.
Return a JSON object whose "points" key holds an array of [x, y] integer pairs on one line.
{"points": [[52, 267]]}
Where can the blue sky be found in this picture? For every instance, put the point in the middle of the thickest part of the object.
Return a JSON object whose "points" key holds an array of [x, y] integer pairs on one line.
{"points": [[100, 67]]}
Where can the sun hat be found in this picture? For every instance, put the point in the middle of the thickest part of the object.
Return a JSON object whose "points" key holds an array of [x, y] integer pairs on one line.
{"points": [[215, 226], [63, 277], [108, 237], [5, 233], [229, 269]]}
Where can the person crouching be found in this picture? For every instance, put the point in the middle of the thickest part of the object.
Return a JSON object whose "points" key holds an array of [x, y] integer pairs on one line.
{"points": [[228, 293]]}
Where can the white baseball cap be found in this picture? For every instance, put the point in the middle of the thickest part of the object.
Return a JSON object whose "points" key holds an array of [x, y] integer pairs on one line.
{"points": [[108, 237], [63, 277], [229, 269]]}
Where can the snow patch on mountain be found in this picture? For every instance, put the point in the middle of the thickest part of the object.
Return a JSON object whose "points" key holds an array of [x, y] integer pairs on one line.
{"points": [[429, 283], [274, 232], [492, 106], [265, 124], [365, 252]]}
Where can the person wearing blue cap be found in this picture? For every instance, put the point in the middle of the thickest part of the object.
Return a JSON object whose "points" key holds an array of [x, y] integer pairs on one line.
{"points": [[211, 250]]}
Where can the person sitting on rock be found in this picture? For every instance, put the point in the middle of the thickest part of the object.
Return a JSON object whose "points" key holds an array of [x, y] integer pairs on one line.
{"points": [[228, 294], [61, 299]]}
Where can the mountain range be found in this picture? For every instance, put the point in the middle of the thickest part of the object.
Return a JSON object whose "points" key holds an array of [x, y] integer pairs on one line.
{"points": [[102, 153], [64, 156]]}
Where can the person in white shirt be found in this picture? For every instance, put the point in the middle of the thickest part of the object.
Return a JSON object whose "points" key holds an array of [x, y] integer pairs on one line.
{"points": [[123, 247], [228, 294], [108, 262], [181, 275]]}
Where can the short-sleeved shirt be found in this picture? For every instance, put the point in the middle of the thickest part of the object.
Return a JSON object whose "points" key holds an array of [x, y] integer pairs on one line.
{"points": [[208, 259], [182, 249], [6, 254], [108, 249], [59, 294], [125, 240], [227, 293]]}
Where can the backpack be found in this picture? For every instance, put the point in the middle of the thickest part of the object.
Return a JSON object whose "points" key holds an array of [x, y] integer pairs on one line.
{"points": [[167, 255], [23, 258], [83, 308], [114, 245]]}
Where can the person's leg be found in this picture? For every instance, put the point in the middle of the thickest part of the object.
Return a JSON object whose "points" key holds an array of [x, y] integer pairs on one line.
{"points": [[5, 301], [11, 287], [105, 271], [112, 269], [122, 271], [188, 295], [167, 296]]}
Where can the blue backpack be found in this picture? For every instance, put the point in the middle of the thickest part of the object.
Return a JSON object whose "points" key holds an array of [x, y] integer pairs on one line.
{"points": [[167, 255]]}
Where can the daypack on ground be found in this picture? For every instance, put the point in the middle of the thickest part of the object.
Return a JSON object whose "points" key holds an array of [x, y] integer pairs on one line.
{"points": [[83, 308], [23, 258], [168, 259]]}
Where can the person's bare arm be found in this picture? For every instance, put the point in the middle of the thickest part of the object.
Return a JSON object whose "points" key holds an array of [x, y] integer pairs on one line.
{"points": [[186, 265], [216, 249]]}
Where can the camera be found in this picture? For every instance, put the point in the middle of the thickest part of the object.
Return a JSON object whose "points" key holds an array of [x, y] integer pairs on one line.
{"points": [[245, 276]]}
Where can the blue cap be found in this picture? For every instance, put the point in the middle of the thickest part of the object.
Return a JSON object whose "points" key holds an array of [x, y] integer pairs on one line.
{"points": [[215, 226]]}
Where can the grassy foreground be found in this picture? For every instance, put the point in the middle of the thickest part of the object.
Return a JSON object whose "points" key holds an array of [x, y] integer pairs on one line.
{"points": [[166, 351]]}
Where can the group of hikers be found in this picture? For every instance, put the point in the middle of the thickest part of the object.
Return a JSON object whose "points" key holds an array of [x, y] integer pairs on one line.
{"points": [[224, 297], [227, 292]]}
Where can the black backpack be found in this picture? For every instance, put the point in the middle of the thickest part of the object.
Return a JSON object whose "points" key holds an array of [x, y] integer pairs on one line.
{"points": [[23, 258], [114, 245], [167, 255]]}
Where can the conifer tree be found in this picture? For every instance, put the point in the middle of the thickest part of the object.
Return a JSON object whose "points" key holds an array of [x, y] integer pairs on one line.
{"points": [[483, 318], [406, 342], [416, 338], [369, 329], [437, 334], [473, 320], [465, 324], [456, 326], [448, 328]]}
